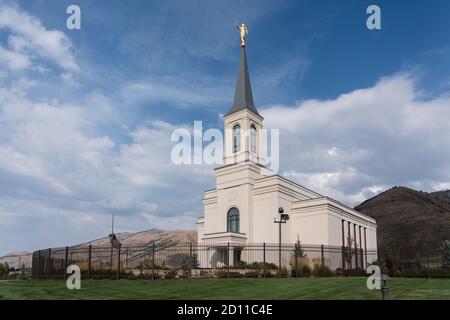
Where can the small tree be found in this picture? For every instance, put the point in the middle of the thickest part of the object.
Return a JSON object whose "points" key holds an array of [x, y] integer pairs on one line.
{"points": [[299, 261], [298, 251], [194, 262], [445, 248], [191, 262], [4, 269], [349, 250], [296, 254]]}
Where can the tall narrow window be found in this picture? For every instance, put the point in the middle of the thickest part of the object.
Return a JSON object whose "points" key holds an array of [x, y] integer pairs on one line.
{"points": [[233, 220], [236, 138], [253, 139]]}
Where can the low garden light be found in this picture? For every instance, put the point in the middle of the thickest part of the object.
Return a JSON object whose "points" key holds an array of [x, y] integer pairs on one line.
{"points": [[385, 286]]}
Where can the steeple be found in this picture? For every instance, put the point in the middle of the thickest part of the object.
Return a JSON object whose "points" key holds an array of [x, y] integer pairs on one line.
{"points": [[243, 97], [243, 123]]}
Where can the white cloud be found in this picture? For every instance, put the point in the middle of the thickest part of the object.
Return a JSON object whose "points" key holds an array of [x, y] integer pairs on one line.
{"points": [[55, 164], [176, 92], [14, 60], [365, 140], [29, 38]]}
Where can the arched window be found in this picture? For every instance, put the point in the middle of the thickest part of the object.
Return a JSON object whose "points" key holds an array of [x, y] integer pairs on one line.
{"points": [[253, 139], [236, 138], [233, 220]]}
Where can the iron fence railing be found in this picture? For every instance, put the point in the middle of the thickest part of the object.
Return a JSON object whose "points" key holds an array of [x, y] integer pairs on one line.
{"points": [[168, 260]]}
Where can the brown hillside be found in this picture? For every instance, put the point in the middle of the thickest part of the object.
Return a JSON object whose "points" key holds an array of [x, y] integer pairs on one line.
{"points": [[149, 236], [410, 223], [14, 258]]}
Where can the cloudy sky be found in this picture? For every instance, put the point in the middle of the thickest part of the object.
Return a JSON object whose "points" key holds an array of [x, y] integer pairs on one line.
{"points": [[86, 115]]}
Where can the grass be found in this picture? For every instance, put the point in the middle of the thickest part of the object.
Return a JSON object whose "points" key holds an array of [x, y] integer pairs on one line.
{"points": [[273, 289]]}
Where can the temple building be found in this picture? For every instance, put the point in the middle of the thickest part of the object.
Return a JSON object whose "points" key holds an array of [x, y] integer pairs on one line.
{"points": [[241, 209]]}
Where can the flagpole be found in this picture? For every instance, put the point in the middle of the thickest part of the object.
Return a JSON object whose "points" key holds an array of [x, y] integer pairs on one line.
{"points": [[112, 224], [112, 235]]}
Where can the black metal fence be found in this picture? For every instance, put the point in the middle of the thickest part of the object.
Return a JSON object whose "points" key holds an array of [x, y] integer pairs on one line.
{"points": [[185, 260]]}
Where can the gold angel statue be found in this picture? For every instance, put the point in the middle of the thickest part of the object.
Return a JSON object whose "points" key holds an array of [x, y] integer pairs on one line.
{"points": [[243, 30]]}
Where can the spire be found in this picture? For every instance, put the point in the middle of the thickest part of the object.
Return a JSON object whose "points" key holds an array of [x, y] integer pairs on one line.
{"points": [[243, 97]]}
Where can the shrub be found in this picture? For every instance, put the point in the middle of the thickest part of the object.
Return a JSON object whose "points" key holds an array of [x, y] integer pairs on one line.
{"points": [[252, 274], [338, 272], [283, 273], [256, 265], [171, 274], [261, 265], [148, 276], [24, 273], [303, 268], [240, 265], [322, 271], [204, 273], [267, 274], [301, 271], [231, 274]]}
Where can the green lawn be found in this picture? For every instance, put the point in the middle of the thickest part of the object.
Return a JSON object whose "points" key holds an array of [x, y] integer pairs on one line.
{"points": [[302, 288]]}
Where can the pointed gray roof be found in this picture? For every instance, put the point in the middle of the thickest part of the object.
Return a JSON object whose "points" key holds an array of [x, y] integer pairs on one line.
{"points": [[243, 97]]}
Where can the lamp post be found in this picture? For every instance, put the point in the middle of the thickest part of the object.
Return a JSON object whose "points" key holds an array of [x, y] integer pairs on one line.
{"points": [[283, 217]]}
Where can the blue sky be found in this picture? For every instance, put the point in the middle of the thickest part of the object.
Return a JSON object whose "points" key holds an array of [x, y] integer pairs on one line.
{"points": [[86, 115]]}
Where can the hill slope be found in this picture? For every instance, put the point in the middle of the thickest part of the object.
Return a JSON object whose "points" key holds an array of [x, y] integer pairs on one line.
{"points": [[410, 223], [148, 236], [15, 258]]}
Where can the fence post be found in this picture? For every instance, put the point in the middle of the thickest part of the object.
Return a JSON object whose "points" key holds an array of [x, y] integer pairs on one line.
{"points": [[153, 261], [33, 264], [118, 263], [296, 258], [66, 256], [38, 270], [49, 262], [89, 262], [365, 258], [111, 260], [264, 259], [126, 258], [228, 260], [190, 259], [322, 258], [428, 266], [363, 265]]}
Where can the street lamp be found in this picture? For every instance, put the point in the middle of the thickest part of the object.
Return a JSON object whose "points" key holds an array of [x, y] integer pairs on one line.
{"points": [[283, 217]]}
